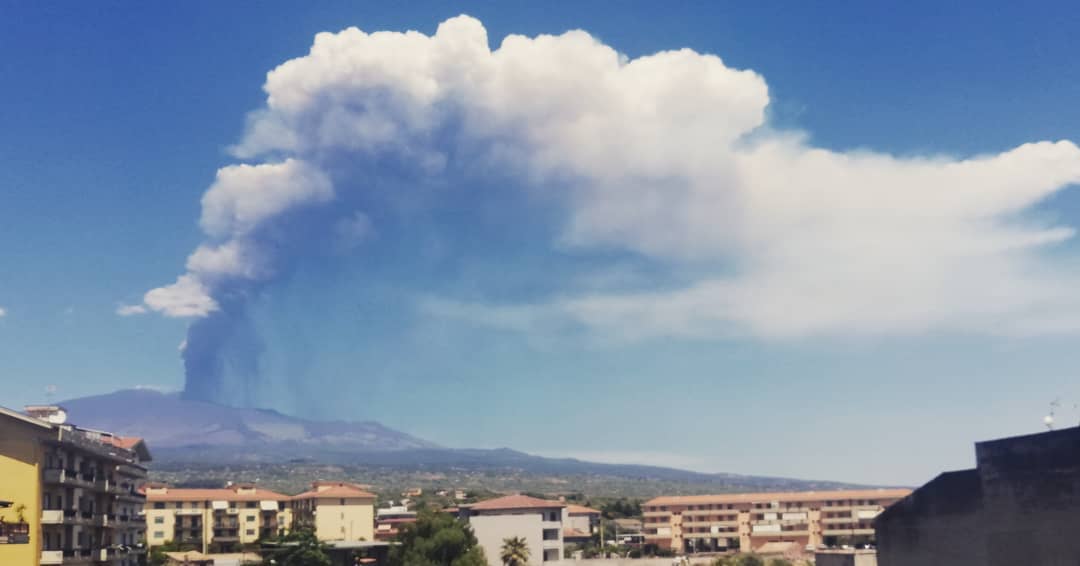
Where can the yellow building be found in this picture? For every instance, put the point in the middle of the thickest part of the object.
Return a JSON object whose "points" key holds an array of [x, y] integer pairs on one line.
{"points": [[336, 511], [68, 495], [220, 520]]}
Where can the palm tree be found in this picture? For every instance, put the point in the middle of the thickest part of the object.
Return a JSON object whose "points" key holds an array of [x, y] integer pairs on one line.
{"points": [[515, 552]]}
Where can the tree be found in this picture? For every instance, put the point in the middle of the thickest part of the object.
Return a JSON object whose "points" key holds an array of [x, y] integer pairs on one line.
{"points": [[298, 548], [436, 539], [157, 553], [739, 560], [515, 552]]}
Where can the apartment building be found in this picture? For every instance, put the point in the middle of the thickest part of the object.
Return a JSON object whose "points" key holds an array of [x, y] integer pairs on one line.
{"points": [[337, 511], [218, 520], [538, 521], [68, 495], [581, 524], [748, 521], [389, 520]]}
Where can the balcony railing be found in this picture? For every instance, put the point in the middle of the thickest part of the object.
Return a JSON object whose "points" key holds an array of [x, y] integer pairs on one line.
{"points": [[51, 557], [52, 516], [65, 477], [14, 533]]}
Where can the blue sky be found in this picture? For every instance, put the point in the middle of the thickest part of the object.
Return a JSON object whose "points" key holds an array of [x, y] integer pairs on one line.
{"points": [[448, 318]]}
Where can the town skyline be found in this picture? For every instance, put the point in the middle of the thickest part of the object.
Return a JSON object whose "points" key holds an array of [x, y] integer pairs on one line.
{"points": [[811, 242]]}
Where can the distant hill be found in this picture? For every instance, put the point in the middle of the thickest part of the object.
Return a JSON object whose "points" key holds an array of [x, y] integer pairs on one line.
{"points": [[167, 421], [185, 434]]}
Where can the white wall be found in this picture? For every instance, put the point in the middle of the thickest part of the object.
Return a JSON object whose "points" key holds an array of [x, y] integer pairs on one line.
{"points": [[492, 530]]}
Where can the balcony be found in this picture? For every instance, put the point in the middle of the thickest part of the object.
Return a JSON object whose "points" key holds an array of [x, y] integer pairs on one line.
{"points": [[189, 512], [63, 476], [226, 535], [131, 471], [105, 520], [77, 555], [52, 517]]}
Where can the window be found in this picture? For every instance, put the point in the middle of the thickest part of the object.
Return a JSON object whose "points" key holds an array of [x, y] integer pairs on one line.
{"points": [[159, 534], [159, 520], [250, 505], [159, 505], [343, 502], [250, 532], [251, 518]]}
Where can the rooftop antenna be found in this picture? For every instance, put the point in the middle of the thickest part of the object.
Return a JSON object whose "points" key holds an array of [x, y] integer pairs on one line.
{"points": [[1048, 420]]}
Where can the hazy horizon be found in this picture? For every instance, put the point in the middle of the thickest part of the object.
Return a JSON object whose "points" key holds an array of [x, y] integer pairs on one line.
{"points": [[828, 242]]}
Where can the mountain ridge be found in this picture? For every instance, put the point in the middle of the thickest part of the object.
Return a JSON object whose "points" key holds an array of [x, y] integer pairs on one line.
{"points": [[182, 433]]}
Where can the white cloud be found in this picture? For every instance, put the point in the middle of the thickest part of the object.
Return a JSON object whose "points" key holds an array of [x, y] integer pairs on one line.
{"points": [[244, 196], [130, 310], [3, 312], [233, 259], [188, 297], [668, 156]]}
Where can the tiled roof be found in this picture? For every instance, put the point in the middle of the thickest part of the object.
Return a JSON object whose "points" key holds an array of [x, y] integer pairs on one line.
{"points": [[575, 533], [335, 490], [510, 502], [125, 442], [766, 497], [581, 510], [226, 494]]}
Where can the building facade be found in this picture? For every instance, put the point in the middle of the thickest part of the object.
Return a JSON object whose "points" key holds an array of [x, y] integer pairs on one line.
{"points": [[581, 524], [70, 495], [389, 520], [219, 520], [336, 511], [747, 521], [538, 521], [1019, 505]]}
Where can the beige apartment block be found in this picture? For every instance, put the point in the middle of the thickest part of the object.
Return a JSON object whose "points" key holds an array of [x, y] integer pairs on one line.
{"points": [[220, 520], [538, 521], [748, 521], [337, 511]]}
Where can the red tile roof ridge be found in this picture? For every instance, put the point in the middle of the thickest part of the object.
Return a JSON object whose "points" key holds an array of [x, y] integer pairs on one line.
{"points": [[767, 496], [515, 502], [212, 494]]}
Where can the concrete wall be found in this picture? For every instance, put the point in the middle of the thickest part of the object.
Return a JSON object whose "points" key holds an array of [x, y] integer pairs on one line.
{"points": [[857, 558], [1020, 506], [631, 562], [492, 530]]}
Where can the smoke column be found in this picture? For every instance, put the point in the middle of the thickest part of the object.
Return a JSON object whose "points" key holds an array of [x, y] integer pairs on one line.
{"points": [[667, 157]]}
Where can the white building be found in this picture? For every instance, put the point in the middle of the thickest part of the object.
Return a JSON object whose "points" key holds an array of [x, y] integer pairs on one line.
{"points": [[538, 521]]}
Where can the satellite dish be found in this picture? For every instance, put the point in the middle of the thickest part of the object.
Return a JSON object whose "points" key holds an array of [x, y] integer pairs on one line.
{"points": [[1048, 420]]}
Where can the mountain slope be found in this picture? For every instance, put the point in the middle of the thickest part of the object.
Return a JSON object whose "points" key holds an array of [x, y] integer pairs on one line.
{"points": [[193, 435], [166, 421]]}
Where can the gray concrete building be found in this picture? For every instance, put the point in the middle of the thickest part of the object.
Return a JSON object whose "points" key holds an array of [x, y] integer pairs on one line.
{"points": [[1019, 505]]}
